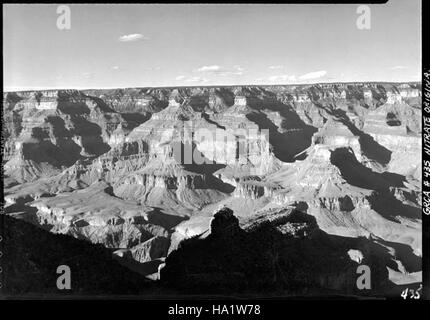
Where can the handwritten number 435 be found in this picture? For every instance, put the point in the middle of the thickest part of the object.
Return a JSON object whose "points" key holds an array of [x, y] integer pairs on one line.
{"points": [[411, 293]]}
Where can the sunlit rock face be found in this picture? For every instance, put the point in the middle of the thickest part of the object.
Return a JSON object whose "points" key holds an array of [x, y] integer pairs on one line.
{"points": [[52, 130], [254, 257], [397, 128], [140, 170]]}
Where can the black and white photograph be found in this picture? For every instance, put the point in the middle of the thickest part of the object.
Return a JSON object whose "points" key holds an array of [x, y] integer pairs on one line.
{"points": [[177, 151]]}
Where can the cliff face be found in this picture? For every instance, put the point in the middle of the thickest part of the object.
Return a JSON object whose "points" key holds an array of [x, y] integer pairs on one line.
{"points": [[49, 131], [139, 170], [283, 252], [33, 256]]}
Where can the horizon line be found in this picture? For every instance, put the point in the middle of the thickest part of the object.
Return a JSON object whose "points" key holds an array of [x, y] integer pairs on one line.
{"points": [[6, 90]]}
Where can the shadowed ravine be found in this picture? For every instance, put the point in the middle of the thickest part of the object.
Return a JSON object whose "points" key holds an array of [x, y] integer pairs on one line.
{"points": [[311, 180]]}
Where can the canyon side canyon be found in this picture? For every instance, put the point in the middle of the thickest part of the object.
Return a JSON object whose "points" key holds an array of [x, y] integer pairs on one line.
{"points": [[283, 188]]}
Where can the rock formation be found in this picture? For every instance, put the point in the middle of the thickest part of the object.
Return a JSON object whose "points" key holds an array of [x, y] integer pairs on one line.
{"points": [[139, 170], [278, 252]]}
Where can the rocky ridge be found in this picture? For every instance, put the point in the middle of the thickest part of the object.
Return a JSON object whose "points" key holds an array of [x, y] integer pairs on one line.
{"points": [[114, 166]]}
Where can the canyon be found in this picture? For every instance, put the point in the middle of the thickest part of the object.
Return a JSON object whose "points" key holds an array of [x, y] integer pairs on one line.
{"points": [[330, 172]]}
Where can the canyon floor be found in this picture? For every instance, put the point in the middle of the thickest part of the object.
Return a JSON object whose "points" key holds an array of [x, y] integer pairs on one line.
{"points": [[275, 189]]}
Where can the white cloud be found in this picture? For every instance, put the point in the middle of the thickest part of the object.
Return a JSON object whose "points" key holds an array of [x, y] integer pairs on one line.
{"points": [[221, 71], [283, 77], [291, 78], [193, 79], [196, 79], [115, 67], [238, 68], [276, 67], [132, 37], [211, 68], [87, 75], [230, 73], [180, 78], [398, 68], [313, 75]]}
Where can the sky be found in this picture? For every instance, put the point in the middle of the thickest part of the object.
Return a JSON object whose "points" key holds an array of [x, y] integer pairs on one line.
{"points": [[141, 45]]}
